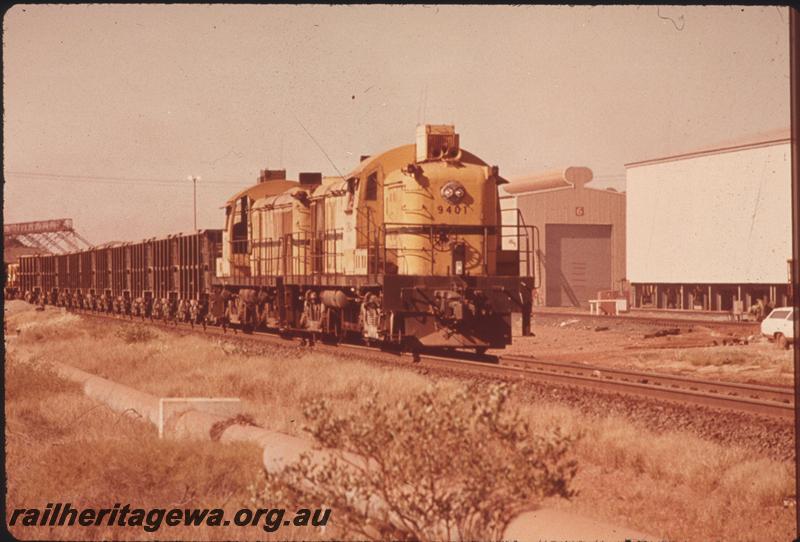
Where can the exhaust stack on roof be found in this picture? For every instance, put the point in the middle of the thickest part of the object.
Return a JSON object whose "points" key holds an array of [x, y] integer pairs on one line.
{"points": [[310, 179], [272, 175]]}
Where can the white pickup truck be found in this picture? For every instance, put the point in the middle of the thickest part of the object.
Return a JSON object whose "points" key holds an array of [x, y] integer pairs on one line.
{"points": [[779, 325]]}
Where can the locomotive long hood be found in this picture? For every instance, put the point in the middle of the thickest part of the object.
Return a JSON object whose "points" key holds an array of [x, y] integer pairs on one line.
{"points": [[399, 157], [264, 190]]}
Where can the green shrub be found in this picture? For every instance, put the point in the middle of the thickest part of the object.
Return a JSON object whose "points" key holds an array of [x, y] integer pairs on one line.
{"points": [[454, 467]]}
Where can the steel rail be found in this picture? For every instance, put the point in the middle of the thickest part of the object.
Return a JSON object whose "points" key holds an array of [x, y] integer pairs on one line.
{"points": [[664, 320], [734, 389], [755, 399], [648, 390]]}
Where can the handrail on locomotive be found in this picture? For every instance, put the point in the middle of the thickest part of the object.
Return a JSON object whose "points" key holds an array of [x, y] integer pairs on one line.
{"points": [[298, 249]]}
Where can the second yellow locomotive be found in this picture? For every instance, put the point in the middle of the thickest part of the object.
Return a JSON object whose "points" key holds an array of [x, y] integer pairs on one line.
{"points": [[405, 249]]}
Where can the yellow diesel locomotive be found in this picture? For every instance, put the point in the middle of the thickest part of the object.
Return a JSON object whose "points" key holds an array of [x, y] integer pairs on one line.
{"points": [[406, 249]]}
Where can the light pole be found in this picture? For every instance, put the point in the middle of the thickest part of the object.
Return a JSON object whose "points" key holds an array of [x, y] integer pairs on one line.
{"points": [[194, 180]]}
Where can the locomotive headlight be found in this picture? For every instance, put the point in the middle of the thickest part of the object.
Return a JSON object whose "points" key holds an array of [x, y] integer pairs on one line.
{"points": [[453, 192]]}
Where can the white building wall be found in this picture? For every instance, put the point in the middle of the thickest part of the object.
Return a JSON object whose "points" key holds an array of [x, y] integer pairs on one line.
{"points": [[718, 218]]}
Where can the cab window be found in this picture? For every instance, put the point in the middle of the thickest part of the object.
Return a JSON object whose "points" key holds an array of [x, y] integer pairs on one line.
{"points": [[371, 190], [240, 226]]}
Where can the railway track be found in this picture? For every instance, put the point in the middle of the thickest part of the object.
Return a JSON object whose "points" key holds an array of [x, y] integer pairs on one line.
{"points": [[769, 401], [746, 327], [758, 399]]}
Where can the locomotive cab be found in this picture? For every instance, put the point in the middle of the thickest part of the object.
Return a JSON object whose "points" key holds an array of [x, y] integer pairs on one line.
{"points": [[235, 262], [442, 234]]}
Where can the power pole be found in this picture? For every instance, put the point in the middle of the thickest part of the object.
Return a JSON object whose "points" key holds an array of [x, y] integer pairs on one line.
{"points": [[194, 180]]}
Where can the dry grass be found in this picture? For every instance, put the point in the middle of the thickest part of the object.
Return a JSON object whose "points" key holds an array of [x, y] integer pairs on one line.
{"points": [[63, 447], [761, 362], [762, 355], [273, 387], [678, 475], [672, 484]]}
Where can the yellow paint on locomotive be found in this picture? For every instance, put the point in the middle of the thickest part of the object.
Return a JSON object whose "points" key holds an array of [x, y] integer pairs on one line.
{"points": [[236, 236], [417, 211], [281, 235], [391, 214], [401, 206], [334, 227]]}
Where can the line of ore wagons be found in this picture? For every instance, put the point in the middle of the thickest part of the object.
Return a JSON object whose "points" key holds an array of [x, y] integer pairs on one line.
{"points": [[179, 263]]}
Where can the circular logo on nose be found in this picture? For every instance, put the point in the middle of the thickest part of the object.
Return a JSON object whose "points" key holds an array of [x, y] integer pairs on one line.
{"points": [[453, 192]]}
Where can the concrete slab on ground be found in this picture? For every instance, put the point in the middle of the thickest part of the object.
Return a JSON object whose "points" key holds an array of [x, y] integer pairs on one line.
{"points": [[549, 525]]}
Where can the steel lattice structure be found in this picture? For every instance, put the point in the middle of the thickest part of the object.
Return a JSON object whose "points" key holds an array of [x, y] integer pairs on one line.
{"points": [[56, 236]]}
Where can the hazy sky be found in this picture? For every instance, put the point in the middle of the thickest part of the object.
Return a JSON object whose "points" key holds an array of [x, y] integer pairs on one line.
{"points": [[108, 108]]}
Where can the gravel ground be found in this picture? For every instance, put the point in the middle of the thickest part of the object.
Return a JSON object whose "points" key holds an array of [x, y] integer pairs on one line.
{"points": [[767, 436]]}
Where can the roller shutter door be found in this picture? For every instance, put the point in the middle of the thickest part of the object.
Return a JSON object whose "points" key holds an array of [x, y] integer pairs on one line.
{"points": [[578, 263]]}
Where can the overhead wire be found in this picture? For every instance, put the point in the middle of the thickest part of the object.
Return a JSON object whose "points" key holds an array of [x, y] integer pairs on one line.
{"points": [[318, 145], [107, 179]]}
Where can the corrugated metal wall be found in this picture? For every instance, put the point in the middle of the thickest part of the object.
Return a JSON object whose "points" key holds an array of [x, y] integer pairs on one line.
{"points": [[578, 262], [577, 205]]}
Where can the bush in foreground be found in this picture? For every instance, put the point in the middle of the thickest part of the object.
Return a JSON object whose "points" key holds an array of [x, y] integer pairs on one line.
{"points": [[453, 467]]}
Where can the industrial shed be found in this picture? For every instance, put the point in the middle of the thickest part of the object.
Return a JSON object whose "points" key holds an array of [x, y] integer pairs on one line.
{"points": [[711, 227], [581, 233]]}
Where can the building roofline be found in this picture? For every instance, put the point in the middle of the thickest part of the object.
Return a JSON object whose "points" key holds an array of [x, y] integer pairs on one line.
{"points": [[711, 151], [606, 190]]}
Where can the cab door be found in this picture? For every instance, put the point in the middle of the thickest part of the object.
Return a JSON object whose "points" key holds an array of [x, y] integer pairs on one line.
{"points": [[369, 218]]}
